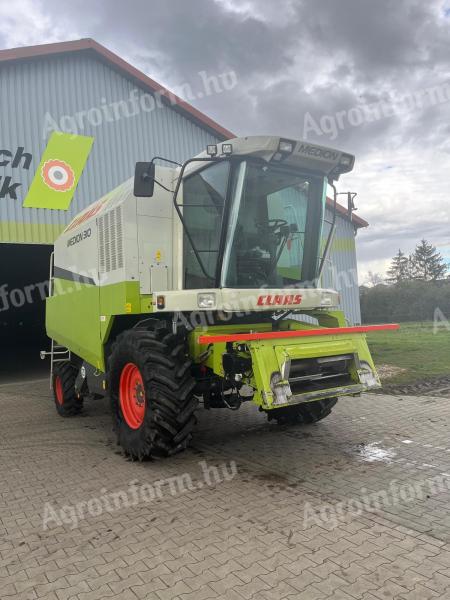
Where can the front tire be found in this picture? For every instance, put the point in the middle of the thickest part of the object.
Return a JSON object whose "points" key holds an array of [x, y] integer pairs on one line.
{"points": [[66, 400], [151, 392], [303, 414]]}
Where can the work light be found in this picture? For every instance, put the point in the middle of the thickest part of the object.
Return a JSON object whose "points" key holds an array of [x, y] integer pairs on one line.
{"points": [[206, 300], [286, 146], [346, 160]]}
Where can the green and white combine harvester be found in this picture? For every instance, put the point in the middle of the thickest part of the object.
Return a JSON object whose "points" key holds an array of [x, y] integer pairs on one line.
{"points": [[187, 286]]}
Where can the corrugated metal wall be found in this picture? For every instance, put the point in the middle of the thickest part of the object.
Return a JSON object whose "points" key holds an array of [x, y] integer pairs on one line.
{"points": [[33, 91], [341, 273]]}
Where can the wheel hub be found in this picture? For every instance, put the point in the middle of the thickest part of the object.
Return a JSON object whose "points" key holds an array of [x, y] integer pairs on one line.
{"points": [[59, 392], [132, 396]]}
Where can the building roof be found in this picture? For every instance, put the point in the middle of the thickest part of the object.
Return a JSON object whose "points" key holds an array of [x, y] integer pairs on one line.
{"points": [[343, 212], [89, 45]]}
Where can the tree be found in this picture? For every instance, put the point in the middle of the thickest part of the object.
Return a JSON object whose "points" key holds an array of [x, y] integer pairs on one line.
{"points": [[374, 279], [400, 269], [410, 301], [426, 263]]}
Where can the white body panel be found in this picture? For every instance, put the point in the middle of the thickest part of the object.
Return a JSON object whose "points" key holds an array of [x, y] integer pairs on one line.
{"points": [[121, 238], [245, 300], [155, 218]]}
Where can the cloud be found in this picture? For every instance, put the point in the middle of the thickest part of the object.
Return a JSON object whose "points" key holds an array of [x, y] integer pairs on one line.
{"points": [[292, 59], [28, 23]]}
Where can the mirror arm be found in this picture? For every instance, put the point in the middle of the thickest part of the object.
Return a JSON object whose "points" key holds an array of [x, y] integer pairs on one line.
{"points": [[350, 203], [331, 234], [172, 162]]}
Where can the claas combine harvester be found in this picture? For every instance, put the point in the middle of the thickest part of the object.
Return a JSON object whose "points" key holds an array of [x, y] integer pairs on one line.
{"points": [[190, 283]]}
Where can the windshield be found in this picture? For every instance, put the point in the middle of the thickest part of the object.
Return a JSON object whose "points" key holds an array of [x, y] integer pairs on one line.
{"points": [[251, 225], [274, 228]]}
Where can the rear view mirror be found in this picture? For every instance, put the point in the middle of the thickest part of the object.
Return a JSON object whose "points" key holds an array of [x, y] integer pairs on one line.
{"points": [[144, 179]]}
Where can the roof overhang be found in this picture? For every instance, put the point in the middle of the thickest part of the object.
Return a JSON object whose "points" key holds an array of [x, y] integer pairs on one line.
{"points": [[357, 221], [89, 45]]}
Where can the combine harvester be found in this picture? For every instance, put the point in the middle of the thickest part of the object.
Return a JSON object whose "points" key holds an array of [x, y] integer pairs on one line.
{"points": [[186, 286]]}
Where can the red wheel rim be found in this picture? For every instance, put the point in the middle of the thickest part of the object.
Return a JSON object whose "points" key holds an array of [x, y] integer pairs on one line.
{"points": [[132, 396], [59, 390]]}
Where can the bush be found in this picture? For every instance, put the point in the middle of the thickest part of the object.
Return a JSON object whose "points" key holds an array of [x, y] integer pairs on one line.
{"points": [[405, 301]]}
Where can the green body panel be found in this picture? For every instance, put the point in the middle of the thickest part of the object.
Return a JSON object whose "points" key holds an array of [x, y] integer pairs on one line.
{"points": [[72, 318], [329, 318], [214, 361], [269, 355], [80, 315]]}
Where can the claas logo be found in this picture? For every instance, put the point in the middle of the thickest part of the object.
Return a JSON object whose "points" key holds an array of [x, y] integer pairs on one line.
{"points": [[58, 175], [279, 300], [94, 210]]}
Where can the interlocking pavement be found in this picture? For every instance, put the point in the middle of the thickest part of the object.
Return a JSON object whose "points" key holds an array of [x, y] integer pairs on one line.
{"points": [[354, 507]]}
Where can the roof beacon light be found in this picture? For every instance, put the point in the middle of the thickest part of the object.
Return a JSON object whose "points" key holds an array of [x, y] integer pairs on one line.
{"points": [[227, 149], [211, 149]]}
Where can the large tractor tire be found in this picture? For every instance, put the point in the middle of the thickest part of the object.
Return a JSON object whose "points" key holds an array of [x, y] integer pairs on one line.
{"points": [[303, 414], [151, 392], [66, 400]]}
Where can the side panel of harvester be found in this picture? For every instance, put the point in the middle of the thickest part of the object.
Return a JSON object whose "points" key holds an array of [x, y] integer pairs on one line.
{"points": [[95, 275], [107, 262]]}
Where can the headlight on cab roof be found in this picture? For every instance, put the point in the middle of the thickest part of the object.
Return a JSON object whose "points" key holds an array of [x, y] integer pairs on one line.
{"points": [[206, 300], [286, 146], [346, 160]]}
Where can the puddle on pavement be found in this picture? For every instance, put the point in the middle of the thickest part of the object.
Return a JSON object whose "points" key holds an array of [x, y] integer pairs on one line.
{"points": [[373, 452]]}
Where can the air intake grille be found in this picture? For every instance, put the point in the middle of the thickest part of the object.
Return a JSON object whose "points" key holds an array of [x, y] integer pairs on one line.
{"points": [[311, 374], [110, 232]]}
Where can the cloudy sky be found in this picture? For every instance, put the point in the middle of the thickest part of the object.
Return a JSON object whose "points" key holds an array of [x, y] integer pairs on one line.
{"points": [[371, 78]]}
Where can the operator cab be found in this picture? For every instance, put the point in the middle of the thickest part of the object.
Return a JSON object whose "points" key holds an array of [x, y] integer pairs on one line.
{"points": [[253, 212]]}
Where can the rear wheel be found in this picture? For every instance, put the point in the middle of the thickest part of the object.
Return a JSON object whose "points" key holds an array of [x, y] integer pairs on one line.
{"points": [[303, 414], [66, 400], [151, 392]]}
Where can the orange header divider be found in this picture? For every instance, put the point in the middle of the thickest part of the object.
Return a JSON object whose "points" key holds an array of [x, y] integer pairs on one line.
{"points": [[278, 335]]}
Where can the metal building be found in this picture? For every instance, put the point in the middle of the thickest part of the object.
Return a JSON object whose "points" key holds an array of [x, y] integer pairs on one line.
{"points": [[84, 90], [341, 271]]}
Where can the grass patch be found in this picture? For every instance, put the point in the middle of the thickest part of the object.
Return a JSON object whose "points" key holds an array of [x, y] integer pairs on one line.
{"points": [[415, 353]]}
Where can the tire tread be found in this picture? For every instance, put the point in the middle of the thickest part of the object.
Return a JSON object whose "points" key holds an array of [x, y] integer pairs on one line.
{"points": [[306, 413], [170, 415], [72, 405]]}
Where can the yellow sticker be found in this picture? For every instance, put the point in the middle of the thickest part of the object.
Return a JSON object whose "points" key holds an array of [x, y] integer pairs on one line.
{"points": [[59, 171], [158, 256], [128, 307]]}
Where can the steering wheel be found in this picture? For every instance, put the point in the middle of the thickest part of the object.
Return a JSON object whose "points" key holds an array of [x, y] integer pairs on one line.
{"points": [[274, 224]]}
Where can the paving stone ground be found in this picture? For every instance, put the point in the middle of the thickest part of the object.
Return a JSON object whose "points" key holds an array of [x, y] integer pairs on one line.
{"points": [[355, 507]]}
